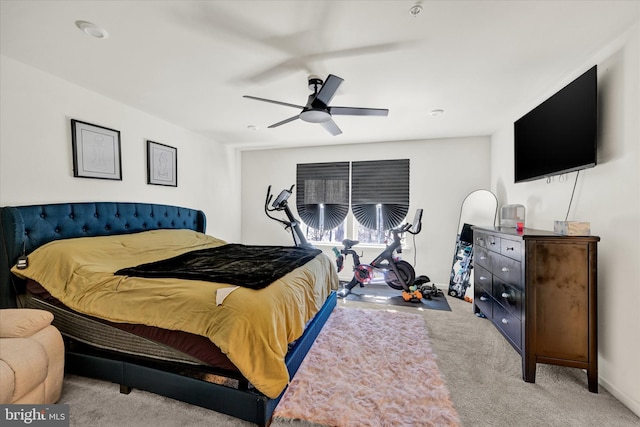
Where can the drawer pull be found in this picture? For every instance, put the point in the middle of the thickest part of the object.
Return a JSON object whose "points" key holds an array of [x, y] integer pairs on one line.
{"points": [[482, 278], [480, 240], [504, 295], [492, 243], [504, 321], [483, 257], [483, 298], [511, 249], [504, 269]]}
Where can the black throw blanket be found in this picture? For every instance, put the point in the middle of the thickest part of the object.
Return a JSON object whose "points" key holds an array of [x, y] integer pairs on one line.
{"points": [[249, 266]]}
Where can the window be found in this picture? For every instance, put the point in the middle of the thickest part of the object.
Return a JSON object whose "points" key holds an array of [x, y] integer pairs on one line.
{"points": [[376, 191], [322, 199], [379, 196]]}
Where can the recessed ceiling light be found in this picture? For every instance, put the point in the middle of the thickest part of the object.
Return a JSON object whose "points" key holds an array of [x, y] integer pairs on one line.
{"points": [[436, 112], [92, 29]]}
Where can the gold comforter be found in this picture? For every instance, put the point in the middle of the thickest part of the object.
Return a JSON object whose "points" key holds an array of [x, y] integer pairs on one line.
{"points": [[252, 327]]}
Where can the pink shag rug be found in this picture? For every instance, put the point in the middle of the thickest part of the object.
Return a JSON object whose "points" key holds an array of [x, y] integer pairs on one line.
{"points": [[368, 368]]}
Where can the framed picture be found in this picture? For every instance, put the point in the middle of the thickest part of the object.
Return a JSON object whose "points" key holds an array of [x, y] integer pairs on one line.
{"points": [[162, 164], [96, 151]]}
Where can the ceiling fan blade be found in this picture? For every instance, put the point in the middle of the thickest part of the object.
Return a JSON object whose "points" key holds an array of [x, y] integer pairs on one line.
{"points": [[332, 127], [310, 63], [355, 111], [286, 104], [290, 119], [328, 89]]}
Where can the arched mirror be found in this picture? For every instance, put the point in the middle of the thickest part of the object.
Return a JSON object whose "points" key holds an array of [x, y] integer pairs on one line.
{"points": [[480, 207]]}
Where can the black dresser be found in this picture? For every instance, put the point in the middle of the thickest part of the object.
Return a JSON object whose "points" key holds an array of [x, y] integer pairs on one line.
{"points": [[540, 290]]}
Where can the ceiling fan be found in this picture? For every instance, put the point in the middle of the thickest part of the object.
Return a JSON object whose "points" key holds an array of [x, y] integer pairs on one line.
{"points": [[317, 109]]}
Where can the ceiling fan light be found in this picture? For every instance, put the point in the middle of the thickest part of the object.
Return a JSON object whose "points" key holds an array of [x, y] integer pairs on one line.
{"points": [[315, 116]]}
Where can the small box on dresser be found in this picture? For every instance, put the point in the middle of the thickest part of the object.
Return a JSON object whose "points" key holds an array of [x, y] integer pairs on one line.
{"points": [[539, 289], [572, 228]]}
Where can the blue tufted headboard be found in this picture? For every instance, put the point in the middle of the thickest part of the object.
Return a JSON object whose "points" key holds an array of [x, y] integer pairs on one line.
{"points": [[30, 227]]}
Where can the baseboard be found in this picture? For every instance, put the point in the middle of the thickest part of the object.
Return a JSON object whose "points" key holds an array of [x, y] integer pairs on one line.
{"points": [[626, 400]]}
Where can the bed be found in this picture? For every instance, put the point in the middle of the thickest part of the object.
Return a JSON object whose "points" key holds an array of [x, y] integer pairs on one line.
{"points": [[195, 354]]}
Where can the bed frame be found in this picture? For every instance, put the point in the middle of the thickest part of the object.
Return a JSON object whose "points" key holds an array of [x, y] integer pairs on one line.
{"points": [[25, 228]]}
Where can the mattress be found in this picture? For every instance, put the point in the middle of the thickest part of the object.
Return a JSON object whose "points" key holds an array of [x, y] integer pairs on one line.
{"points": [[248, 326], [135, 339]]}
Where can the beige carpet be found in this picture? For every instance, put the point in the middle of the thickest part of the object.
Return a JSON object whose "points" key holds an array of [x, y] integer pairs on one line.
{"points": [[369, 368], [481, 370]]}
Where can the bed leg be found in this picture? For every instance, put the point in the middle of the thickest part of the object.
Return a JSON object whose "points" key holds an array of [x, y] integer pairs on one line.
{"points": [[125, 389]]}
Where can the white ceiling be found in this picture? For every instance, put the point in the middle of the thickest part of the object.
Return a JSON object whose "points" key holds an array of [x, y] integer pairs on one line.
{"points": [[190, 62]]}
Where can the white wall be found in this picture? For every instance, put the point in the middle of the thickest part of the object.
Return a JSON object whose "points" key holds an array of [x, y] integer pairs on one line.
{"points": [[36, 160], [608, 196], [442, 173]]}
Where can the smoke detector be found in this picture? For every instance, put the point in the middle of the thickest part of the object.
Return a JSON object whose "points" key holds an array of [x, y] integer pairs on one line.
{"points": [[415, 10]]}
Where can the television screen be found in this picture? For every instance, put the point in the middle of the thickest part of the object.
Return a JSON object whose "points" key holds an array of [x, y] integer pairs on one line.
{"points": [[559, 135]]}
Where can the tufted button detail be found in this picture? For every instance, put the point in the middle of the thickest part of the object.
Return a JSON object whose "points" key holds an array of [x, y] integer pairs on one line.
{"points": [[126, 226], [117, 215], [107, 228], [95, 215], [84, 229], [42, 215], [71, 216], [57, 230], [135, 215]]}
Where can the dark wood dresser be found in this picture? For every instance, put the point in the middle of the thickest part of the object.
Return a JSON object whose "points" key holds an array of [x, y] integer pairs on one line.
{"points": [[539, 289]]}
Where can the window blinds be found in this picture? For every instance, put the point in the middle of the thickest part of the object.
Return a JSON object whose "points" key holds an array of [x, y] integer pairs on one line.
{"points": [[322, 194], [377, 187], [384, 183]]}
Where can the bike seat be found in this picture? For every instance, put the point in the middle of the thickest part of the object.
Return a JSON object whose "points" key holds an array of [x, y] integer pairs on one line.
{"points": [[348, 243]]}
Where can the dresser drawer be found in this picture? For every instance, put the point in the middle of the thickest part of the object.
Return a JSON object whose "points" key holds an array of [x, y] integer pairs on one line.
{"points": [[511, 248], [483, 278], [481, 258], [508, 296], [488, 241], [480, 240], [482, 299], [507, 269], [493, 243], [508, 324]]}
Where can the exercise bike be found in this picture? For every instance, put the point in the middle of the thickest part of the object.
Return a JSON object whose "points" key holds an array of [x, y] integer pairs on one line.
{"points": [[280, 204], [398, 274]]}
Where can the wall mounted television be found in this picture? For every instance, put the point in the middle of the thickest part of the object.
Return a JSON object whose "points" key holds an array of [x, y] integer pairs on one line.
{"points": [[559, 135]]}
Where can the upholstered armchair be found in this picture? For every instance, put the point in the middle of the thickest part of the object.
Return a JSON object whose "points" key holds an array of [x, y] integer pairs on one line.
{"points": [[31, 357]]}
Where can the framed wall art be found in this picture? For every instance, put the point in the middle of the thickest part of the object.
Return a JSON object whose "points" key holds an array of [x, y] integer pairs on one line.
{"points": [[96, 151], [162, 164]]}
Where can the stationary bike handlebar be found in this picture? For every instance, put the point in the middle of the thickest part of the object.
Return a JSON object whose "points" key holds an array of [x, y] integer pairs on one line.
{"points": [[280, 204]]}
